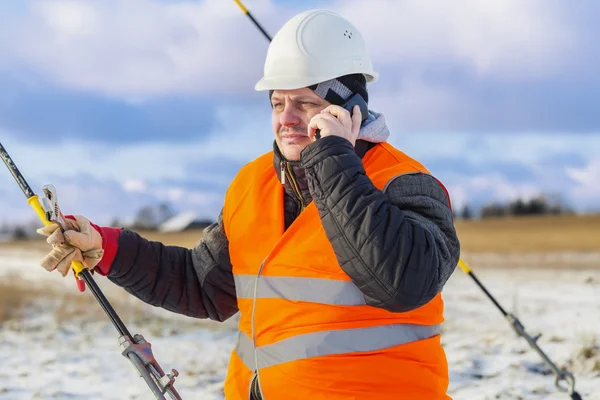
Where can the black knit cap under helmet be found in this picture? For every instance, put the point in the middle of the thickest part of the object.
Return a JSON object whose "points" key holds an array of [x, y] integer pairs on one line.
{"points": [[338, 90]]}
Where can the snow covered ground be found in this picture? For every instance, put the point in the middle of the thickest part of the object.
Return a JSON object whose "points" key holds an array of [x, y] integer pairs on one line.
{"points": [[63, 347]]}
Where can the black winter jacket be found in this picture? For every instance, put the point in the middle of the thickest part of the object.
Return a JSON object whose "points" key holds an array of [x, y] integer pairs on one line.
{"points": [[399, 246]]}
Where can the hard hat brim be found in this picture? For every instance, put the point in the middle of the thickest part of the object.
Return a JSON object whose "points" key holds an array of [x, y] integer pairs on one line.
{"points": [[291, 83]]}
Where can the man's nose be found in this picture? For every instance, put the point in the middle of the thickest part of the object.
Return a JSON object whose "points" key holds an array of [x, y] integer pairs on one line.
{"points": [[289, 116]]}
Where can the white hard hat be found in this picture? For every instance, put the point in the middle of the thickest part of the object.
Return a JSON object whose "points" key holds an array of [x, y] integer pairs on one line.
{"points": [[312, 47]]}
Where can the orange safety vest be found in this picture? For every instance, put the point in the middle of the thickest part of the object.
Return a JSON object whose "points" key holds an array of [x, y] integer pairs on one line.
{"points": [[305, 328]]}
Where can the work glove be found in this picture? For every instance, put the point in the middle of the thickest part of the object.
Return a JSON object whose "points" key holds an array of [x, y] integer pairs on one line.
{"points": [[80, 242]]}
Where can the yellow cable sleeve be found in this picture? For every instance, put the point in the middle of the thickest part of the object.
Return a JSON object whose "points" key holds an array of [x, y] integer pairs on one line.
{"points": [[239, 3], [463, 266], [34, 202]]}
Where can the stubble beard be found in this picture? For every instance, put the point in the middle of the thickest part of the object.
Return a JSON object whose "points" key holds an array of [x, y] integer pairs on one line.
{"points": [[292, 151]]}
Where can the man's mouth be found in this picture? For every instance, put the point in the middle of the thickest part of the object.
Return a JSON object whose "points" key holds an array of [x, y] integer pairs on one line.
{"points": [[293, 136]]}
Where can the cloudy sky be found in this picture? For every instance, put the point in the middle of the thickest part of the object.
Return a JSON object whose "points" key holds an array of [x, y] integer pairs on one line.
{"points": [[127, 103]]}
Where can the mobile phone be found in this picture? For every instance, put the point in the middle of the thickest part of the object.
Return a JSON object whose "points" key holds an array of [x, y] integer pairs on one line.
{"points": [[356, 99]]}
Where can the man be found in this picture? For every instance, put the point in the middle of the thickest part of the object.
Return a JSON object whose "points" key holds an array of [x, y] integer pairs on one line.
{"points": [[334, 247]]}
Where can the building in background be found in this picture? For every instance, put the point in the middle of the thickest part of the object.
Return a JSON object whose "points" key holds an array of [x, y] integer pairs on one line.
{"points": [[184, 221]]}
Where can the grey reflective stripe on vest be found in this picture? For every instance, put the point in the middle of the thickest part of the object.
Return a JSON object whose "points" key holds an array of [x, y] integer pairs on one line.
{"points": [[332, 342], [245, 350], [314, 290]]}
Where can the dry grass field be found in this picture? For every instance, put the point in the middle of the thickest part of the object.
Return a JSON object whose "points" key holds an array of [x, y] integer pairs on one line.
{"points": [[531, 234], [569, 233], [496, 235], [552, 242]]}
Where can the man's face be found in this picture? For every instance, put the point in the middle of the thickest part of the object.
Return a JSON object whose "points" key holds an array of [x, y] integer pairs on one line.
{"points": [[292, 111]]}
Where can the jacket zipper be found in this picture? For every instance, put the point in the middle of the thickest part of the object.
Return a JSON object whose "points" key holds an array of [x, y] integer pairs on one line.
{"points": [[254, 330], [287, 171]]}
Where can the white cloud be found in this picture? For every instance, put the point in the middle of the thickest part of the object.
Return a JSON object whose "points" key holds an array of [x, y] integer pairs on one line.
{"points": [[415, 105], [193, 199], [499, 188], [579, 187], [108, 180], [588, 175], [528, 148], [139, 48], [135, 186], [485, 188], [117, 183], [244, 134], [550, 163], [69, 18], [587, 184], [175, 194], [499, 38]]}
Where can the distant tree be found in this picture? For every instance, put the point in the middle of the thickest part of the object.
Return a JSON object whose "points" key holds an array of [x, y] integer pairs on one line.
{"points": [[493, 210], [534, 206], [558, 205], [116, 222], [19, 232], [538, 206], [517, 207], [466, 212]]}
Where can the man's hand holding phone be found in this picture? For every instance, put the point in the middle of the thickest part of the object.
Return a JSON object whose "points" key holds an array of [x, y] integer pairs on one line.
{"points": [[336, 121]]}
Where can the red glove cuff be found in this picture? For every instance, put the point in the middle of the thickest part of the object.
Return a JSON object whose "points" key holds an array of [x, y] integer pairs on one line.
{"points": [[110, 244]]}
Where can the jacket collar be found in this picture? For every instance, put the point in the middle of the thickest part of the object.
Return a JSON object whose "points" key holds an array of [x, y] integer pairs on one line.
{"points": [[292, 175]]}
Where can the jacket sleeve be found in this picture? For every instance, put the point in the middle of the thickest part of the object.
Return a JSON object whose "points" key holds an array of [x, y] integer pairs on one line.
{"points": [[399, 246], [197, 282]]}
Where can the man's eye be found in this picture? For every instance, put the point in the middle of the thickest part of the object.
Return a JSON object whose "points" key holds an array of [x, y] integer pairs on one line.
{"points": [[277, 105], [308, 103]]}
